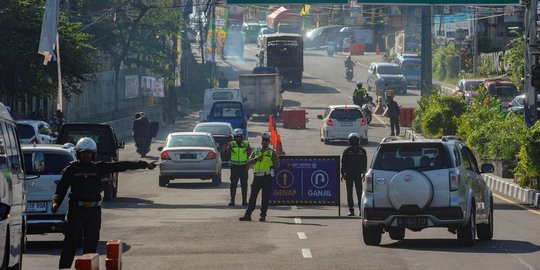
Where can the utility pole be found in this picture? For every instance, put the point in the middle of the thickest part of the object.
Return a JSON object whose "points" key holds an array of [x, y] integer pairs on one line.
{"points": [[475, 40], [426, 62], [531, 53]]}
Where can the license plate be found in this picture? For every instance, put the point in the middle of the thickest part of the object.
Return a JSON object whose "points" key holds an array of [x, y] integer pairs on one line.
{"points": [[187, 156], [412, 221], [36, 207], [346, 123]]}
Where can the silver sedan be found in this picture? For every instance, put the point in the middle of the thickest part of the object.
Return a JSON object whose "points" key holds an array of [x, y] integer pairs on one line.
{"points": [[189, 155]]}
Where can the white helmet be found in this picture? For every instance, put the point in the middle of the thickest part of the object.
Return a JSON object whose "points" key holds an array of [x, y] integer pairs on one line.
{"points": [[354, 136], [238, 132], [266, 136], [86, 144]]}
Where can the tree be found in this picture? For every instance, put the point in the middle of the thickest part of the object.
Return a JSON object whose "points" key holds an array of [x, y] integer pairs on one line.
{"points": [[21, 68], [514, 59]]}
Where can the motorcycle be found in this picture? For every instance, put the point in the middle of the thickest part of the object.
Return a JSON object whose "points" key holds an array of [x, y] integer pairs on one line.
{"points": [[367, 109], [349, 74], [330, 48]]}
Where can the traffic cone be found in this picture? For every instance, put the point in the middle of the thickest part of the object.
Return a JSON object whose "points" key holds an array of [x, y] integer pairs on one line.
{"points": [[377, 49]]}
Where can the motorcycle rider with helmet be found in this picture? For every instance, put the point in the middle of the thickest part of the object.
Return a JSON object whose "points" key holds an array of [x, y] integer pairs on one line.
{"points": [[359, 94]]}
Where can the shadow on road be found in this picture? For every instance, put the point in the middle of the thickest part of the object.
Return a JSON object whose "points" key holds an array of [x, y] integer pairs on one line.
{"points": [[507, 206], [197, 185], [310, 88], [128, 202], [452, 245], [55, 247], [291, 103]]}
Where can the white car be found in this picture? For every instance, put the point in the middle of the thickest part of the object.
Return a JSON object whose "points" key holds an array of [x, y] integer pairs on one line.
{"points": [[40, 190], [35, 131], [338, 121]]}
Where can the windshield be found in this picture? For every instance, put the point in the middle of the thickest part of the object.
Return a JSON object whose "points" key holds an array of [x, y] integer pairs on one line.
{"points": [[289, 51], [503, 91], [214, 130], [222, 95], [472, 86], [227, 110], [54, 163], [25, 131], [421, 157], [349, 114], [389, 70], [411, 66], [189, 141]]}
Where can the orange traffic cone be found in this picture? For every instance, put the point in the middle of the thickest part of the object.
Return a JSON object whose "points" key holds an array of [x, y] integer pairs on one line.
{"points": [[377, 49]]}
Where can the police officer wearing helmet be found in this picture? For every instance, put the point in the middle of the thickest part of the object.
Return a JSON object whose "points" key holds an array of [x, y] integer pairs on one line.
{"points": [[240, 150], [353, 166], [359, 94], [264, 160], [83, 176]]}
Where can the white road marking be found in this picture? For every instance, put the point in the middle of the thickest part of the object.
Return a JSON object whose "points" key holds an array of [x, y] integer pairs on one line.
{"points": [[294, 207], [306, 253], [380, 120], [297, 220], [302, 235]]}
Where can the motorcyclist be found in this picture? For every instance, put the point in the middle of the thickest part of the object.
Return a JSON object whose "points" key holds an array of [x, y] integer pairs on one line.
{"points": [[57, 121], [349, 63], [359, 94], [141, 133]]}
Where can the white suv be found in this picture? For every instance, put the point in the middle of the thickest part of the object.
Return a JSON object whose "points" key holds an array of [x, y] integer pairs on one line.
{"points": [[338, 121], [40, 190], [429, 183]]}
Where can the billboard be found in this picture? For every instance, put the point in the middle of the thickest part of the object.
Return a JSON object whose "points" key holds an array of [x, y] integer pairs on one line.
{"points": [[306, 180], [131, 87]]}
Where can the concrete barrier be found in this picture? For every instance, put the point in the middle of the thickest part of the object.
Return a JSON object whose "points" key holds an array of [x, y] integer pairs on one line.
{"points": [[88, 261], [507, 188]]}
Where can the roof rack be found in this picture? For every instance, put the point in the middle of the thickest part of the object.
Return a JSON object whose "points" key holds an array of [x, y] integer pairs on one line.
{"points": [[390, 139], [450, 137]]}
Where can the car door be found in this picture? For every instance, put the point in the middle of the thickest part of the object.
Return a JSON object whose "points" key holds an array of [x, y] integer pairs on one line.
{"points": [[479, 186], [470, 176]]}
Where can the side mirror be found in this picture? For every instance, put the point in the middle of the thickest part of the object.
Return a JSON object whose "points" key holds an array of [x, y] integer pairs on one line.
{"points": [[319, 117], [38, 162], [160, 148], [121, 145], [487, 168]]}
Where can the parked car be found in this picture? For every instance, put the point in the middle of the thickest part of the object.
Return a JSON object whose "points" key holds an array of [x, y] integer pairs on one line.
{"points": [[222, 134], [517, 104], [40, 191], [262, 32], [386, 74], [467, 87], [35, 131], [250, 31], [320, 35], [212, 95], [189, 155], [107, 148], [338, 121], [504, 90], [231, 112], [428, 183]]}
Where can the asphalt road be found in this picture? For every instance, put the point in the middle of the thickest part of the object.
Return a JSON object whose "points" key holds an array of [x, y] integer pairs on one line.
{"points": [[189, 225]]}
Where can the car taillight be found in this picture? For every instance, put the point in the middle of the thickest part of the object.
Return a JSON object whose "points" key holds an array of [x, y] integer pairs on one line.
{"points": [[369, 181], [329, 122], [210, 155], [165, 155], [454, 180], [363, 121], [35, 141]]}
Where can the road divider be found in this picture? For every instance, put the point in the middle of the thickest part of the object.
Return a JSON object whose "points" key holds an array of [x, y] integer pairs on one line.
{"points": [[114, 255], [88, 261], [275, 138]]}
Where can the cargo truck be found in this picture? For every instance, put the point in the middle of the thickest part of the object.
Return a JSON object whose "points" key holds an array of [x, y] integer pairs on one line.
{"points": [[261, 93]]}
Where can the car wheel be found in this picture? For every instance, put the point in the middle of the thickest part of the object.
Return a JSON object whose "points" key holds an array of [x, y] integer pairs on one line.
{"points": [[163, 181], [216, 180], [485, 231], [326, 141], [372, 236], [467, 234], [396, 233]]}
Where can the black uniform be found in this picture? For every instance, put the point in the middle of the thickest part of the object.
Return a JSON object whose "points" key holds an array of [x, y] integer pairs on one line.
{"points": [[141, 134], [353, 165], [393, 114], [84, 214]]}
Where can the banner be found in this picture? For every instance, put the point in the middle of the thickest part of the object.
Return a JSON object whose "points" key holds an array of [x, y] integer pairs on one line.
{"points": [[306, 180], [152, 87], [131, 87]]}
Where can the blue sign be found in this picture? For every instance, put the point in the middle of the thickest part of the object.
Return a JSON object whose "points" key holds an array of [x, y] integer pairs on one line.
{"points": [[306, 180]]}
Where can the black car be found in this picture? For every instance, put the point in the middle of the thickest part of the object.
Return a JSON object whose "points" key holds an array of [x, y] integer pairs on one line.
{"points": [[107, 148]]}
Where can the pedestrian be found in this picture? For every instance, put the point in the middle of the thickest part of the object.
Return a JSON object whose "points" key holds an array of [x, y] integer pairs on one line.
{"points": [[353, 166], [384, 100], [393, 114], [264, 160], [240, 150], [223, 81], [141, 133], [83, 177]]}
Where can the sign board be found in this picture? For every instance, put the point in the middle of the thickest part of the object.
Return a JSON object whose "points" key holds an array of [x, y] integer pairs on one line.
{"points": [[441, 2], [131, 89], [306, 180], [269, 2]]}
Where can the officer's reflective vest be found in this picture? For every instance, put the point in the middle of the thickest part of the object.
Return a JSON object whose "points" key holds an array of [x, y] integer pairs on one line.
{"points": [[239, 155], [263, 166]]}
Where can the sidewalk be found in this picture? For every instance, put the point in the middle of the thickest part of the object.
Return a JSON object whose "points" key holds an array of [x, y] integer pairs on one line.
{"points": [[503, 186]]}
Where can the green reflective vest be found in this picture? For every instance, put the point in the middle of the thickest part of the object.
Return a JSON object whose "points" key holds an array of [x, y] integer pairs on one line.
{"points": [[239, 155], [263, 166]]}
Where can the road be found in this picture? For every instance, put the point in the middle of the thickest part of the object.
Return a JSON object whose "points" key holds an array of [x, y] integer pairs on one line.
{"points": [[189, 225]]}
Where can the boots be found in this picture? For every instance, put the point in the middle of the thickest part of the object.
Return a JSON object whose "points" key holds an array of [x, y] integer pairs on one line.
{"points": [[351, 212], [244, 196], [233, 195], [246, 217]]}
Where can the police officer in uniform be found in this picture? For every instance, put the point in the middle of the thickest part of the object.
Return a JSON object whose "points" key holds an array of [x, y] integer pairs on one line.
{"points": [[240, 151], [353, 166], [264, 160], [84, 214]]}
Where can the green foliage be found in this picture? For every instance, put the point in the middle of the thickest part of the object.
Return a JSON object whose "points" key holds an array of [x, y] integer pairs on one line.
{"points": [[514, 58], [435, 114], [446, 62], [21, 67], [528, 167], [486, 67]]}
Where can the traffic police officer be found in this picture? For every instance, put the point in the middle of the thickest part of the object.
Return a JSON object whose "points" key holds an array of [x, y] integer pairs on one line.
{"points": [[264, 161], [359, 94], [84, 214], [353, 165], [240, 151]]}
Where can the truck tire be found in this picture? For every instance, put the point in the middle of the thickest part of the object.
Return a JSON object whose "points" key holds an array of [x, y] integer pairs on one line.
{"points": [[396, 233], [467, 234], [163, 181], [485, 231], [372, 235]]}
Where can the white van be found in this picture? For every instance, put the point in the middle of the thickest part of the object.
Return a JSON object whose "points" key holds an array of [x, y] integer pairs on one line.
{"points": [[12, 192], [217, 94]]}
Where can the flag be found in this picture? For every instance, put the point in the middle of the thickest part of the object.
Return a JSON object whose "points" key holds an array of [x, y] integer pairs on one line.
{"points": [[49, 31], [305, 9]]}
